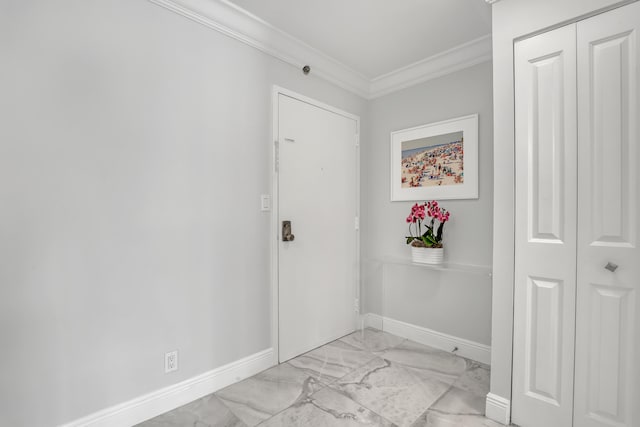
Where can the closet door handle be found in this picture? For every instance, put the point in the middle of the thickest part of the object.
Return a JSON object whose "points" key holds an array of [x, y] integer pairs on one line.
{"points": [[611, 267]]}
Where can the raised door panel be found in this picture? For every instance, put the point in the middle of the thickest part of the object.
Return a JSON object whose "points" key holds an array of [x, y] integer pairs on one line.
{"points": [[609, 310], [546, 149], [611, 161], [544, 338], [607, 385], [545, 261]]}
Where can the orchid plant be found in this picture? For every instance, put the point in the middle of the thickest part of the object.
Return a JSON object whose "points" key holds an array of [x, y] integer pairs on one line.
{"points": [[432, 237]]}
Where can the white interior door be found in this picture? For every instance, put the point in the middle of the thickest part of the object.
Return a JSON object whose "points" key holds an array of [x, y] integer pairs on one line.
{"points": [[317, 192], [607, 386], [545, 229]]}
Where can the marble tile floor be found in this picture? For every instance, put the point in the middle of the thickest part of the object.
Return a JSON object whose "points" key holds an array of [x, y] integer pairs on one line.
{"points": [[368, 378]]}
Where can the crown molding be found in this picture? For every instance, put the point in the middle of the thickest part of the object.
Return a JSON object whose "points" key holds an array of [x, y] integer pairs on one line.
{"points": [[492, 1], [233, 21], [230, 20], [452, 60]]}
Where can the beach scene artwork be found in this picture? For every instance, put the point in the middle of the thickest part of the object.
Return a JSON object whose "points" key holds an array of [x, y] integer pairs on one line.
{"points": [[433, 161]]}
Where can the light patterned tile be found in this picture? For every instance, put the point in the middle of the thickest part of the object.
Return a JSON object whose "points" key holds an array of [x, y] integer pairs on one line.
{"points": [[326, 408], [267, 393], [205, 412], [468, 394], [437, 362], [397, 393], [389, 381], [332, 361], [372, 340], [435, 419]]}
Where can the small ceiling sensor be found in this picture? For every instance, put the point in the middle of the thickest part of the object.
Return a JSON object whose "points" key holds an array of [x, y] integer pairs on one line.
{"points": [[306, 69]]}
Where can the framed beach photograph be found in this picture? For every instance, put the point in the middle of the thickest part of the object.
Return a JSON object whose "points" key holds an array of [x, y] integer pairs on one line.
{"points": [[437, 161]]}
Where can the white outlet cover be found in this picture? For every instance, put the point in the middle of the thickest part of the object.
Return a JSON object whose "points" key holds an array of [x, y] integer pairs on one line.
{"points": [[265, 202], [171, 361]]}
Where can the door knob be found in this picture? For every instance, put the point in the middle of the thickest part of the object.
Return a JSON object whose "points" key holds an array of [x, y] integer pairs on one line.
{"points": [[286, 232], [611, 267]]}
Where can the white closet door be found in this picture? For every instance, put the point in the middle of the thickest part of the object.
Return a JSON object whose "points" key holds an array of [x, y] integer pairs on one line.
{"points": [[545, 264], [607, 386]]}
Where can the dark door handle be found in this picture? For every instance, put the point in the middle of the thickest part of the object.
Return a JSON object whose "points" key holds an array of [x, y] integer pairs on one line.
{"points": [[611, 267], [286, 232]]}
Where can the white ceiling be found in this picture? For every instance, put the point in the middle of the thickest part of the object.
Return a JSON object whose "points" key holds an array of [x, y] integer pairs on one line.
{"points": [[376, 37]]}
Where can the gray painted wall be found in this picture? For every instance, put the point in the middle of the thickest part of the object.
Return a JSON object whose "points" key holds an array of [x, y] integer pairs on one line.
{"points": [[134, 149], [452, 303]]}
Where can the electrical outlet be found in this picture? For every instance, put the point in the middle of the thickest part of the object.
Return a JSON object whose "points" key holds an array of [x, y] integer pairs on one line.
{"points": [[171, 361]]}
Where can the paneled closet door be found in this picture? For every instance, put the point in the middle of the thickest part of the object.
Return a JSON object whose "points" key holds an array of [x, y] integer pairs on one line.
{"points": [[607, 385], [545, 264]]}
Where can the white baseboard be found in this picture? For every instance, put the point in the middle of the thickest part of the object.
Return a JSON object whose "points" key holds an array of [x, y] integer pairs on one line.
{"points": [[498, 408], [158, 402], [370, 320], [469, 349]]}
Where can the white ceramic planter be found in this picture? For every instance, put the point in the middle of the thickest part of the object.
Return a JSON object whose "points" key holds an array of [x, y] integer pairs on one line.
{"points": [[427, 255]]}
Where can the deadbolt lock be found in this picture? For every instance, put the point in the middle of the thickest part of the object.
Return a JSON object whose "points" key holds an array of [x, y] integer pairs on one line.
{"points": [[286, 232]]}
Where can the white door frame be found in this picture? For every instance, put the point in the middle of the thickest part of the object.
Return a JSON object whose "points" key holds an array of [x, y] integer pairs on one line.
{"points": [[275, 226]]}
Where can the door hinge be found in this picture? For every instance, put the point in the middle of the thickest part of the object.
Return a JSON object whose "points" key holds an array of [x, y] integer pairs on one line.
{"points": [[276, 156], [356, 305], [357, 140], [357, 223]]}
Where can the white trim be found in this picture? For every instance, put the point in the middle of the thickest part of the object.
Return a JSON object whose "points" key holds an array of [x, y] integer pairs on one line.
{"points": [[460, 57], [498, 409], [235, 22], [280, 90], [371, 320], [466, 348], [166, 399], [492, 1], [275, 226]]}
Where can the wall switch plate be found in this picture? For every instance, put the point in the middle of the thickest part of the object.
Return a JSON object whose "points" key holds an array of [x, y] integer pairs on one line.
{"points": [[265, 202], [171, 361]]}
